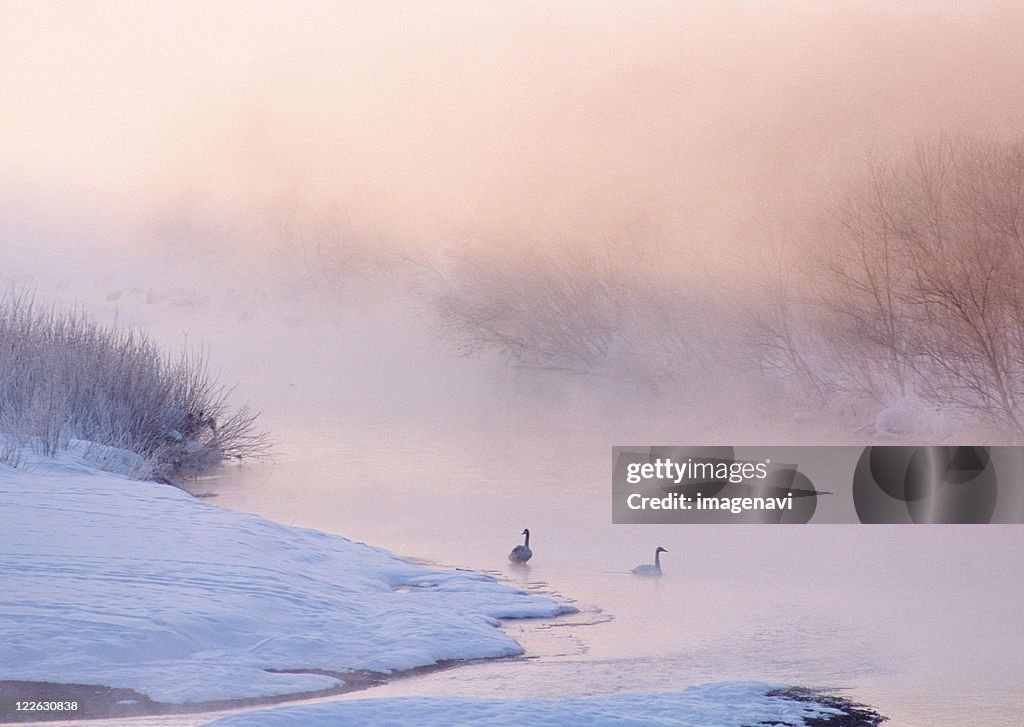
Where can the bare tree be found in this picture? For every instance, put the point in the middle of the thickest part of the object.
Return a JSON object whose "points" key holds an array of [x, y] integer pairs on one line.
{"points": [[926, 270]]}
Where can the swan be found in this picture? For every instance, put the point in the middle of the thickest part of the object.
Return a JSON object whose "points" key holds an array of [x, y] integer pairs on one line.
{"points": [[647, 569], [522, 553]]}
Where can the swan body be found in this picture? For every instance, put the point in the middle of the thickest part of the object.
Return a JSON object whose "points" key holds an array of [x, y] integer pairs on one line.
{"points": [[647, 569], [521, 553]]}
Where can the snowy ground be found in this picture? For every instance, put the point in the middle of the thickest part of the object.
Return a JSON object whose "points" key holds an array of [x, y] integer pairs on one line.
{"points": [[710, 705], [138, 585]]}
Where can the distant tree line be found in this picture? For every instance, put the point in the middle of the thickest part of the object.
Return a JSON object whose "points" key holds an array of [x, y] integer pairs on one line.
{"points": [[912, 286]]}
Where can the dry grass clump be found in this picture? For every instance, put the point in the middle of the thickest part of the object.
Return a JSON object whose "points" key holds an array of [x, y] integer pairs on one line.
{"points": [[64, 376]]}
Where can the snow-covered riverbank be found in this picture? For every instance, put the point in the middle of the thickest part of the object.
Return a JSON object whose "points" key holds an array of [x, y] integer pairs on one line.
{"points": [[138, 585], [725, 704]]}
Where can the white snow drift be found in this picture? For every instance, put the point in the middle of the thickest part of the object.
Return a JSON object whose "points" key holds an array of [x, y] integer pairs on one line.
{"points": [[134, 584], [726, 704]]}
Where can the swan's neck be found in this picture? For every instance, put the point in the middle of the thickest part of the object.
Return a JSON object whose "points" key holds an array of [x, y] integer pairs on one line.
{"points": [[657, 560], [526, 542]]}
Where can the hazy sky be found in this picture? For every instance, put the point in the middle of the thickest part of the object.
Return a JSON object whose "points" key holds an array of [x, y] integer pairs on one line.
{"points": [[438, 120]]}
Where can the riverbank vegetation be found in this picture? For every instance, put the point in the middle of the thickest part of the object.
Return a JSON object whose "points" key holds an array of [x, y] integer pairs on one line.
{"points": [[64, 376]]}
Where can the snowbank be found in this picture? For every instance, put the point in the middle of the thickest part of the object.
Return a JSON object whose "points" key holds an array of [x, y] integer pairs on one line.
{"points": [[134, 584], [726, 704], [912, 417]]}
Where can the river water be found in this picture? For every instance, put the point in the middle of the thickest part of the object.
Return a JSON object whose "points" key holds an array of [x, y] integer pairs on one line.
{"points": [[446, 460], [922, 622]]}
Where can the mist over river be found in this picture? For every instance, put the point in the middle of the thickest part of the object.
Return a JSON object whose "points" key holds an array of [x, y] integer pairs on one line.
{"points": [[455, 252], [917, 621]]}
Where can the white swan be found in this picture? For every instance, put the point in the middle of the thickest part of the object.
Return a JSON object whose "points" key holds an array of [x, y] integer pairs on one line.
{"points": [[521, 553], [651, 570]]}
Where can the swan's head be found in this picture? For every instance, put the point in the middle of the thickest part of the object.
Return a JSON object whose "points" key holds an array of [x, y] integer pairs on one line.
{"points": [[660, 550], [526, 531]]}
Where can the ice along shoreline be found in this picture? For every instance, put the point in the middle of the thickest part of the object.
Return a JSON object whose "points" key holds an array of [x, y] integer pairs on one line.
{"points": [[95, 701], [726, 704]]}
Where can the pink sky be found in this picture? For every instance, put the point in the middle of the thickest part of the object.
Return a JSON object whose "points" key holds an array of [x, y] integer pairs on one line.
{"points": [[442, 119]]}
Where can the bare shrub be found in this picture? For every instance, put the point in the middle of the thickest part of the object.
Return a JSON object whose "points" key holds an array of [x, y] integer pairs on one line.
{"points": [[779, 330], [609, 306], [334, 252], [63, 376], [558, 306]]}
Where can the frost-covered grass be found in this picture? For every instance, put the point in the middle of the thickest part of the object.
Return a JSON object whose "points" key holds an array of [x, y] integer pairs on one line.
{"points": [[138, 585], [64, 376], [726, 704]]}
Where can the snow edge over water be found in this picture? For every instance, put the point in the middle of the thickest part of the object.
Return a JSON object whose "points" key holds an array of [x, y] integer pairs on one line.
{"points": [[722, 704], [139, 585]]}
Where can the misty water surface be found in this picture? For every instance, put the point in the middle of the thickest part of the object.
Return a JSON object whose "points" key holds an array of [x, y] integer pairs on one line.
{"points": [[917, 621]]}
